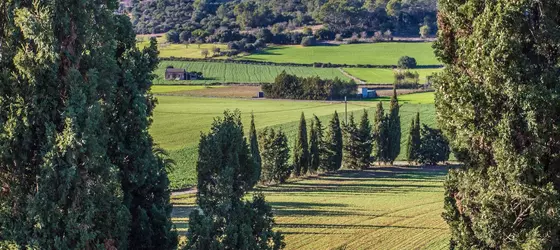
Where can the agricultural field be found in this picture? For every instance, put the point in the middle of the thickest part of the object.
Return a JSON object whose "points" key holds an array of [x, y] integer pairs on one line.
{"points": [[179, 50], [370, 53], [178, 121], [379, 208], [386, 76], [218, 72]]}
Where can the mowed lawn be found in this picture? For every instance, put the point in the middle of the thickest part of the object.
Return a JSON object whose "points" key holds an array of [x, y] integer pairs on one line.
{"points": [[222, 72], [386, 76], [379, 208], [371, 53], [179, 120]]}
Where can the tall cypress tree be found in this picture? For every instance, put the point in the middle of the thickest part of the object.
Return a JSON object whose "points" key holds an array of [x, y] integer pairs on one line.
{"points": [[498, 101], [301, 149], [255, 152], [59, 187], [394, 129], [380, 135], [333, 145], [414, 140], [143, 173], [366, 141], [351, 155], [314, 155]]}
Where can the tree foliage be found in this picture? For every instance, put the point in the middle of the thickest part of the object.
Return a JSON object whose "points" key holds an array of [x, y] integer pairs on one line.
{"points": [[351, 146], [413, 140], [498, 102], [226, 171], [255, 149], [381, 135], [393, 129], [333, 145], [275, 154], [316, 145], [407, 62], [434, 147], [311, 88], [301, 149]]}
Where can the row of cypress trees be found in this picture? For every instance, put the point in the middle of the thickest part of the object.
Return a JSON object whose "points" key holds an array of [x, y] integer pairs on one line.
{"points": [[426, 145], [78, 167]]}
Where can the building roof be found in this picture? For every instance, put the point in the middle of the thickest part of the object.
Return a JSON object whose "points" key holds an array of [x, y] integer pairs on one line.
{"points": [[173, 70]]}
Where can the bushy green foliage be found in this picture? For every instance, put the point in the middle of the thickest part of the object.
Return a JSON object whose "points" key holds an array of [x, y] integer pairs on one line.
{"points": [[351, 146], [143, 170], [414, 140], [301, 149], [498, 102], [310, 88], [333, 145], [380, 135], [226, 171], [275, 154], [365, 135], [308, 41], [434, 147], [406, 79], [407, 62], [77, 165]]}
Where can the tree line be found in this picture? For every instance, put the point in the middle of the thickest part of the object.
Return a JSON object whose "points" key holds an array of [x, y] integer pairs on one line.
{"points": [[286, 86], [224, 21]]}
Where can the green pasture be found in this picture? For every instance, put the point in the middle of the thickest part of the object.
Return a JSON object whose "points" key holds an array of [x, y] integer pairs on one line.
{"points": [[180, 50], [385, 76], [379, 208], [179, 120], [222, 72], [371, 53]]}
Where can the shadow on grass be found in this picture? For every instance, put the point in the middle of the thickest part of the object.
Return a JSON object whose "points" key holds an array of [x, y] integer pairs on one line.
{"points": [[351, 226]]}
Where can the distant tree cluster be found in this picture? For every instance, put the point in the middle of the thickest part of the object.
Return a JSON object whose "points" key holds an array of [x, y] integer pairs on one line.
{"points": [[224, 20], [406, 79], [426, 145], [288, 86]]}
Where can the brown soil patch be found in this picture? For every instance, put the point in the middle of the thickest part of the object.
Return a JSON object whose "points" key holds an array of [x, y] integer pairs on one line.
{"points": [[239, 91]]}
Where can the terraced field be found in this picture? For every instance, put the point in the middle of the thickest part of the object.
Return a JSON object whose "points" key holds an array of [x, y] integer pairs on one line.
{"points": [[217, 72], [379, 208], [178, 121], [385, 76], [371, 53]]}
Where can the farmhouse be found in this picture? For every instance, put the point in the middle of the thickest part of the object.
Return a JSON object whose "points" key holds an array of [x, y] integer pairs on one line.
{"points": [[368, 93], [172, 73], [175, 74]]}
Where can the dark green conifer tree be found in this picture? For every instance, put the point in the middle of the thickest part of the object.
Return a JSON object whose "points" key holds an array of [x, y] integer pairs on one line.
{"points": [[314, 156], [394, 129], [275, 154], [57, 79], [255, 152], [225, 170], [333, 145], [498, 101], [301, 149], [380, 135], [352, 144], [366, 141], [414, 140], [143, 174]]}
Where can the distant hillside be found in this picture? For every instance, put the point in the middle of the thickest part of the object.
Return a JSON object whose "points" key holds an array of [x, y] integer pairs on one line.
{"points": [[211, 20]]}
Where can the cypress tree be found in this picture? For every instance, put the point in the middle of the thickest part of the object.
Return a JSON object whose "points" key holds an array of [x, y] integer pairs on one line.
{"points": [[414, 140], [143, 172], [394, 129], [366, 141], [333, 145], [301, 149], [314, 156], [380, 135], [498, 101], [255, 152], [275, 154], [225, 170], [351, 156], [59, 187]]}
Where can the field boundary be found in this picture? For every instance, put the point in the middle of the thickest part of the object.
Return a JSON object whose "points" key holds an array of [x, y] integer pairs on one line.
{"points": [[311, 65]]}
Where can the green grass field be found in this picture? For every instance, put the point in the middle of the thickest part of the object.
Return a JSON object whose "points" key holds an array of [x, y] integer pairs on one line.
{"points": [[180, 50], [178, 121], [385, 76], [373, 53], [216, 72], [379, 208]]}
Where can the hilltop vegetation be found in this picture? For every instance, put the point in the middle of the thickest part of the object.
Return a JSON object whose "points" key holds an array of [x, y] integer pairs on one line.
{"points": [[225, 21]]}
